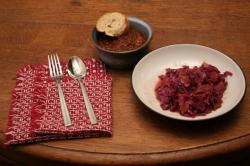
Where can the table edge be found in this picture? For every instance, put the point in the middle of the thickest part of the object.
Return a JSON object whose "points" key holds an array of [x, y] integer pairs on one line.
{"points": [[211, 151]]}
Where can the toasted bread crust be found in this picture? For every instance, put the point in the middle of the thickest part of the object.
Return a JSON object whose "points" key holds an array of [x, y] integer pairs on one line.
{"points": [[112, 24]]}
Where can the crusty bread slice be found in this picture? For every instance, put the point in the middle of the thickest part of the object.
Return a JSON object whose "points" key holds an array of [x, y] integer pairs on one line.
{"points": [[112, 24]]}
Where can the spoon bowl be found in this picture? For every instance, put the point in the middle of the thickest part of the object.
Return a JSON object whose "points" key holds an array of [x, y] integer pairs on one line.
{"points": [[76, 68]]}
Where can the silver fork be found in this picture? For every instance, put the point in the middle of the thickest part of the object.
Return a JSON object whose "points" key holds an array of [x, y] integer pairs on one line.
{"points": [[56, 74]]}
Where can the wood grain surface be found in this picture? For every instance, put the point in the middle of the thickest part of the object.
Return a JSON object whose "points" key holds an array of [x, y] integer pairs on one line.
{"points": [[29, 30]]}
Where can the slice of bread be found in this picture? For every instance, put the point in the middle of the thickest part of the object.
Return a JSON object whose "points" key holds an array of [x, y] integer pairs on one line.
{"points": [[112, 24]]}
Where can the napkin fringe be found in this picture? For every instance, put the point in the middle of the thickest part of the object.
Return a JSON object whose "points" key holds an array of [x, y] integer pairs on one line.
{"points": [[20, 76]]}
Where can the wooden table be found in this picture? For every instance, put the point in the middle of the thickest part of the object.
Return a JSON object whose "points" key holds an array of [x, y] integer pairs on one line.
{"points": [[29, 30]]}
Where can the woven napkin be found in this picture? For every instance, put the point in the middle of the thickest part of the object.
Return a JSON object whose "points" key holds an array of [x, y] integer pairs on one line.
{"points": [[35, 112]]}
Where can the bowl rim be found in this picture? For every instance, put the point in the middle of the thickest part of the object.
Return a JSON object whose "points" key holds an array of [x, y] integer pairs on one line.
{"points": [[131, 19]]}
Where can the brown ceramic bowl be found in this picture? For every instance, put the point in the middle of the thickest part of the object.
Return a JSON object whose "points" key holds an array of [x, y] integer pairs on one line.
{"points": [[125, 59]]}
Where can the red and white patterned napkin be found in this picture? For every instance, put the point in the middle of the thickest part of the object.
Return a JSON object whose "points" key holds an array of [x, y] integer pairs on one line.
{"points": [[35, 113]]}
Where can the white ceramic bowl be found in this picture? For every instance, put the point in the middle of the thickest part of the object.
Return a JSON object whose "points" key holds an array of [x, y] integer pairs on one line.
{"points": [[147, 70]]}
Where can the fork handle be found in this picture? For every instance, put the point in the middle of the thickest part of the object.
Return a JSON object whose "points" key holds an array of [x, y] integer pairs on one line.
{"points": [[88, 105], [65, 112]]}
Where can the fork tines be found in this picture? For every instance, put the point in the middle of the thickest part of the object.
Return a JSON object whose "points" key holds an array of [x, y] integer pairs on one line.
{"points": [[55, 68]]}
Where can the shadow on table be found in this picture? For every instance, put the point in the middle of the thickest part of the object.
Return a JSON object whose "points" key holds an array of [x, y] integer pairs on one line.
{"points": [[193, 128]]}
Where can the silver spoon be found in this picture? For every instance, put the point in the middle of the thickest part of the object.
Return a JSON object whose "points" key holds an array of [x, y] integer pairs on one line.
{"points": [[77, 70]]}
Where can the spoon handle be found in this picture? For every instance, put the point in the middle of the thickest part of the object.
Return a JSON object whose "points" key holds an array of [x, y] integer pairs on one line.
{"points": [[88, 105]]}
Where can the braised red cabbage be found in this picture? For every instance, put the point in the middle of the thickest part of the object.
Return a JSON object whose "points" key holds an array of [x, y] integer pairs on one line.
{"points": [[192, 91]]}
